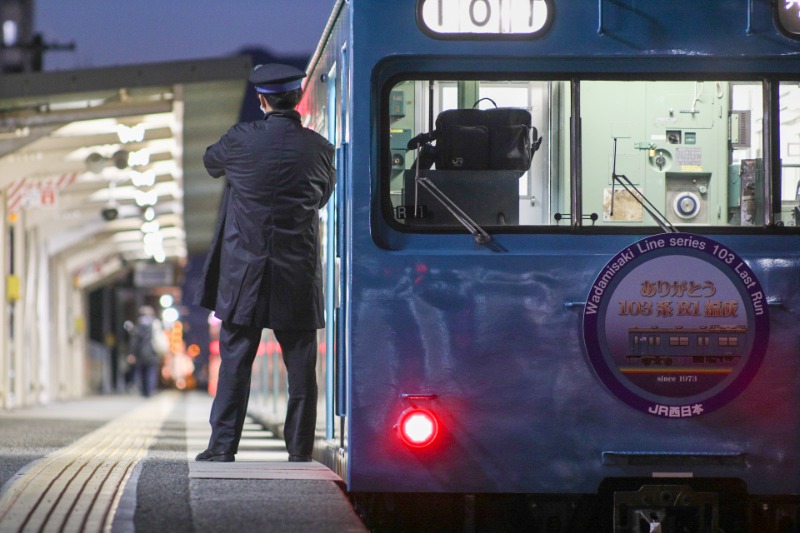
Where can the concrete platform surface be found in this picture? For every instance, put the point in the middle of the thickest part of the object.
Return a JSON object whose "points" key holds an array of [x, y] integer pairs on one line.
{"points": [[126, 464]]}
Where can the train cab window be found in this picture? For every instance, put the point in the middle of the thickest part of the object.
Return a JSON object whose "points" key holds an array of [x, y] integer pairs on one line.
{"points": [[679, 153], [674, 154], [789, 105], [479, 148]]}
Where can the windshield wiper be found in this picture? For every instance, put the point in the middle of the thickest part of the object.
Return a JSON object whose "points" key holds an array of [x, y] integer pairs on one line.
{"points": [[665, 225], [478, 233]]}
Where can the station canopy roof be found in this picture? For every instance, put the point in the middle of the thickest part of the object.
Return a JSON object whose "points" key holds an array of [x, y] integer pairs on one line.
{"points": [[78, 146]]}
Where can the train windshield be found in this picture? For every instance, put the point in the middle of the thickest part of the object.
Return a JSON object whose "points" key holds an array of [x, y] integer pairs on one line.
{"points": [[648, 153]]}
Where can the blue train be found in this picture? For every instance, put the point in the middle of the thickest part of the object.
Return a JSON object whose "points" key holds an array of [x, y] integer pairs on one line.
{"points": [[521, 183]]}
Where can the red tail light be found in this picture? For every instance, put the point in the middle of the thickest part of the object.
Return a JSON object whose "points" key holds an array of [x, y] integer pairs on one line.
{"points": [[418, 427]]}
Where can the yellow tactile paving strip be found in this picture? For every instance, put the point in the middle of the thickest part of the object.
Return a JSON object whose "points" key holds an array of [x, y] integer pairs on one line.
{"points": [[78, 487]]}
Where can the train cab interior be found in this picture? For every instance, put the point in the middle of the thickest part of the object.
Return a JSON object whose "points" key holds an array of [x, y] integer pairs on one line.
{"points": [[651, 152]]}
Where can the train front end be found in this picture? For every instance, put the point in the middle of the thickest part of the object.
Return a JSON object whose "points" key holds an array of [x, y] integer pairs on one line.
{"points": [[607, 334]]}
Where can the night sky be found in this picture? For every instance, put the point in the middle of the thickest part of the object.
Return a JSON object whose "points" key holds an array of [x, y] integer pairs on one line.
{"points": [[120, 32]]}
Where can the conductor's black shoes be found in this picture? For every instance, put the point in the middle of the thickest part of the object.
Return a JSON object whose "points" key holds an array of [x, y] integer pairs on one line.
{"points": [[218, 457], [299, 458]]}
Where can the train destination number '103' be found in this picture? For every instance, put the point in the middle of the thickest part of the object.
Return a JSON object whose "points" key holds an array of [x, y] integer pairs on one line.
{"points": [[486, 18]]}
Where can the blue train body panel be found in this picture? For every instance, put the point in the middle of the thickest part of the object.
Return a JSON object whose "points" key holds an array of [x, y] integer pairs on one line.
{"points": [[496, 340]]}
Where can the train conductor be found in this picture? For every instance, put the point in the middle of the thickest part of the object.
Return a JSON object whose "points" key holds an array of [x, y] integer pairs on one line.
{"points": [[263, 268]]}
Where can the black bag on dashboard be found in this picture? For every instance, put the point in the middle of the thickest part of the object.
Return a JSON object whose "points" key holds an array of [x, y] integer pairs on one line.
{"points": [[481, 139], [460, 144]]}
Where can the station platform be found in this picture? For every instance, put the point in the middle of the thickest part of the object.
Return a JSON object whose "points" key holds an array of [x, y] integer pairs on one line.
{"points": [[125, 464]]}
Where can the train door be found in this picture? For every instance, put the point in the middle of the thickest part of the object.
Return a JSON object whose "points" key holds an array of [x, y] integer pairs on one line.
{"points": [[337, 110], [331, 270], [341, 232]]}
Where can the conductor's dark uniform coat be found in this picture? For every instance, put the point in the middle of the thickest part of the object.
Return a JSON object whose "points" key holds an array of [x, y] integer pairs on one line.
{"points": [[264, 267]]}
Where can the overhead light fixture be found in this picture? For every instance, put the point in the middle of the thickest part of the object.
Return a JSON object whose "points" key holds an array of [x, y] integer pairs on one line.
{"points": [[145, 198], [143, 179], [153, 243], [150, 227], [130, 134], [139, 158]]}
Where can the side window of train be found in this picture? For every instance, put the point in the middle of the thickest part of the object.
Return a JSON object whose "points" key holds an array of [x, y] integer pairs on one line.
{"points": [[680, 153], [482, 145], [789, 104]]}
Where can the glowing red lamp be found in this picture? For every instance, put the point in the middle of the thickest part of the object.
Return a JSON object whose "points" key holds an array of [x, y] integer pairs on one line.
{"points": [[418, 427]]}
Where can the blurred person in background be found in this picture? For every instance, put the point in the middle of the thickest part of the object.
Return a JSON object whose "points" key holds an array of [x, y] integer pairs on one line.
{"points": [[148, 345]]}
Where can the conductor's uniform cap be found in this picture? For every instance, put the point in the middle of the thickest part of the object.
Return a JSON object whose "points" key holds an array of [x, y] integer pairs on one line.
{"points": [[275, 78]]}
